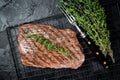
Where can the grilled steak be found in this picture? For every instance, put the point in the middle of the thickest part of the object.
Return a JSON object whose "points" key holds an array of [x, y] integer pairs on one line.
{"points": [[35, 54]]}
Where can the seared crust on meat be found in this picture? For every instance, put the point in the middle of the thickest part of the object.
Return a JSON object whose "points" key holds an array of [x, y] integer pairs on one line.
{"points": [[36, 55]]}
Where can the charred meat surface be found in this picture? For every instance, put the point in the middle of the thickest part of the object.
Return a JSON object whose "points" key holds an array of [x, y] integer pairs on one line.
{"points": [[36, 54]]}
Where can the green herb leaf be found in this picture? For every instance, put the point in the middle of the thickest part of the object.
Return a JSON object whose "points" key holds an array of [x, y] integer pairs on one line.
{"points": [[49, 45]]}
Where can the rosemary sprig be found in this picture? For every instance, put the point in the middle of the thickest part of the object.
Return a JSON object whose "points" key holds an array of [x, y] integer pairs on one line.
{"points": [[91, 17], [48, 44]]}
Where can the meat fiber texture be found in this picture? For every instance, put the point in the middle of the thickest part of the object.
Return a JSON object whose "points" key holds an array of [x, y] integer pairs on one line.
{"points": [[36, 55]]}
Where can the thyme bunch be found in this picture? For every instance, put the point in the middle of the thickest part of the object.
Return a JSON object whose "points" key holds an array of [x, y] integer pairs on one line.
{"points": [[90, 16]]}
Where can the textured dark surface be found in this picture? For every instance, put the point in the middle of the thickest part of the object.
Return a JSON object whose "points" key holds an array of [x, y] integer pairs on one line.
{"points": [[20, 11], [14, 12]]}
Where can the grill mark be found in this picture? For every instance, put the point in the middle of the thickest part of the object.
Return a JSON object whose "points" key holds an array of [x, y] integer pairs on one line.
{"points": [[55, 60], [65, 41], [51, 32], [69, 46], [30, 47], [43, 59], [77, 47], [46, 31], [29, 59], [74, 60], [75, 40], [28, 43], [40, 61], [26, 61], [55, 53], [71, 41], [24, 58], [52, 40], [73, 49], [38, 46]]}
